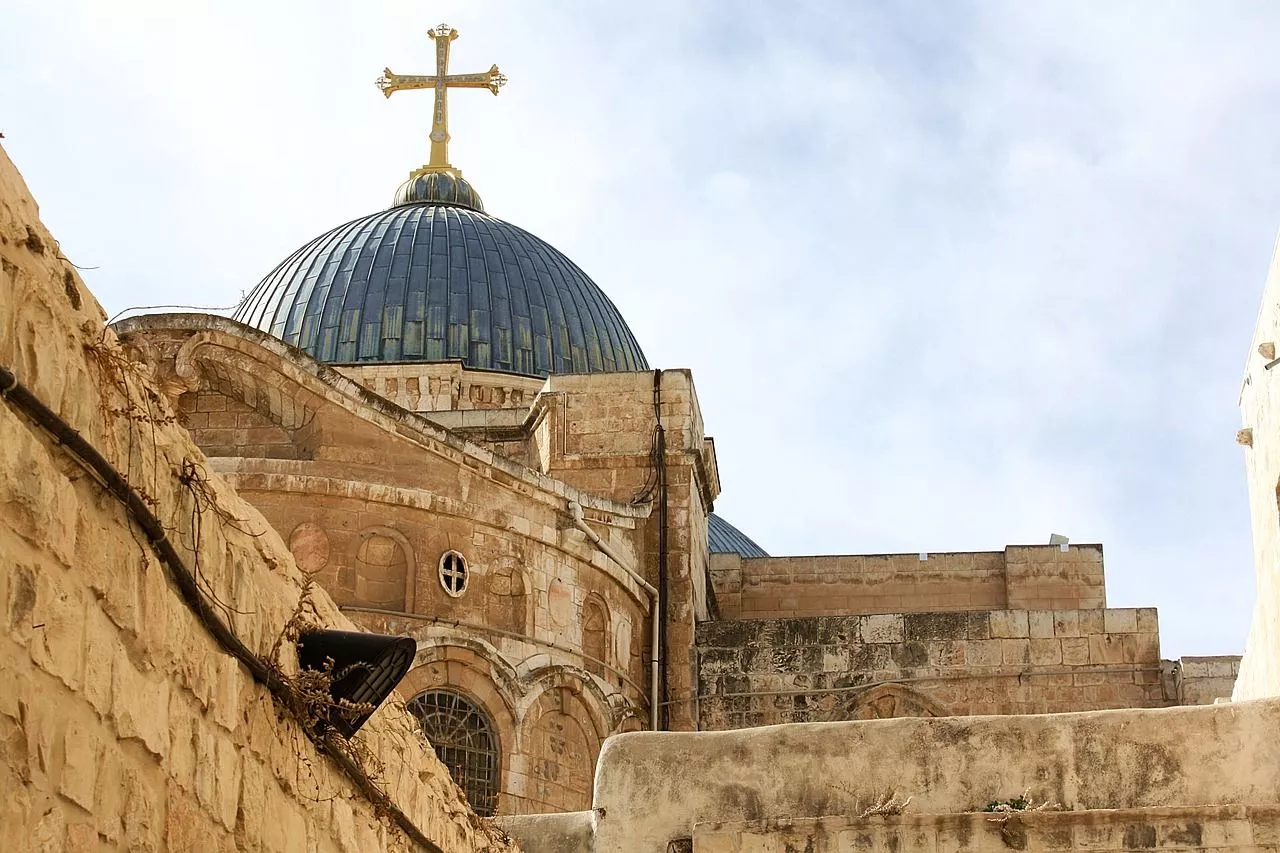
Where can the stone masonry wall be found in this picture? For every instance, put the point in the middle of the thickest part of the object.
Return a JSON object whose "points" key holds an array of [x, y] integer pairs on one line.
{"points": [[761, 672], [1236, 828], [597, 436], [123, 724], [1204, 680], [1026, 577]]}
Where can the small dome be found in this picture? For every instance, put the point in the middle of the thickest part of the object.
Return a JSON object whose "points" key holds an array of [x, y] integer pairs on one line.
{"points": [[441, 281], [724, 538], [439, 188]]}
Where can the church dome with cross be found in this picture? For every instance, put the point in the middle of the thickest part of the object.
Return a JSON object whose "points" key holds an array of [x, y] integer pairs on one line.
{"points": [[436, 278]]}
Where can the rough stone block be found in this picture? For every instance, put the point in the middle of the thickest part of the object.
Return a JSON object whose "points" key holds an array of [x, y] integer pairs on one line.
{"points": [[1040, 623], [1075, 651], [1120, 621], [101, 644], [1091, 622], [140, 704], [1016, 652], [886, 628], [1009, 624], [936, 626], [56, 623], [1106, 648], [82, 745], [1066, 623], [984, 652], [144, 801], [1046, 652]]}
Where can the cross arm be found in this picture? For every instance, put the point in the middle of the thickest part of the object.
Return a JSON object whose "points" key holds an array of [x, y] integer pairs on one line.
{"points": [[493, 80], [390, 82]]}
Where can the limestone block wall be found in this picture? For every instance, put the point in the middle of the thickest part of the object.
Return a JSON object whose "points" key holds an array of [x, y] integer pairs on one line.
{"points": [[1235, 828], [123, 724], [761, 672], [1024, 577], [1260, 440], [544, 638], [1204, 680], [226, 426], [596, 433]]}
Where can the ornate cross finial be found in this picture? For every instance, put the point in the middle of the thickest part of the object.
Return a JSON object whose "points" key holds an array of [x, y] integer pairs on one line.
{"points": [[441, 82]]}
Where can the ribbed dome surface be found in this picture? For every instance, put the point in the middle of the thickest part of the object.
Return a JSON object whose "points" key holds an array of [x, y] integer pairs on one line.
{"points": [[724, 538], [434, 282]]}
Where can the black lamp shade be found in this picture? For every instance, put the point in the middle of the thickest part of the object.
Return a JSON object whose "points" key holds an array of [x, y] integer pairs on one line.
{"points": [[366, 668]]}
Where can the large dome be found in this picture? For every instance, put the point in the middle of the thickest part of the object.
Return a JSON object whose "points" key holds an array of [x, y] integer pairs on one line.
{"points": [[431, 281]]}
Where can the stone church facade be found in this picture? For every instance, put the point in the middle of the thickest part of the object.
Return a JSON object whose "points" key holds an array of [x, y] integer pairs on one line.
{"points": [[461, 441]]}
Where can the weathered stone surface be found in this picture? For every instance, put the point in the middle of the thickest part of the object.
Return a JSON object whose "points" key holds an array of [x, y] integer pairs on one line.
{"points": [[123, 726], [1234, 828], [655, 787]]}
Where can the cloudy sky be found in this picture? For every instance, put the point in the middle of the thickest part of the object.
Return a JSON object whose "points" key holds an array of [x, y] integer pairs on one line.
{"points": [[950, 275]]}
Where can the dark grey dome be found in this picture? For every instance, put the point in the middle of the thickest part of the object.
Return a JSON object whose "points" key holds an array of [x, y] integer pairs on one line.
{"points": [[435, 282], [724, 538]]}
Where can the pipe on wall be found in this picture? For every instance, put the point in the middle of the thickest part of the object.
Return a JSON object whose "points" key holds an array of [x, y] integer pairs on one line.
{"points": [[575, 512]]}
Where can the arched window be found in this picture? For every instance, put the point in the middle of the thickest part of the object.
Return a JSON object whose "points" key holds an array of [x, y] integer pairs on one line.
{"points": [[595, 630], [464, 740]]}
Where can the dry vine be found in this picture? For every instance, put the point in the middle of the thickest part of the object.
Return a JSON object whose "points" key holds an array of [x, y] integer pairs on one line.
{"points": [[884, 804]]}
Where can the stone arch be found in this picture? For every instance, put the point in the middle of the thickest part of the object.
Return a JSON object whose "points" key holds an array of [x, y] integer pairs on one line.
{"points": [[596, 635], [507, 601], [626, 715], [595, 701], [381, 569], [885, 701], [561, 734], [484, 679], [204, 361]]}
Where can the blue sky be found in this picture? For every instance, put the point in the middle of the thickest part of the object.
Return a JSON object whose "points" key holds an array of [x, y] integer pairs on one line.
{"points": [[950, 276]]}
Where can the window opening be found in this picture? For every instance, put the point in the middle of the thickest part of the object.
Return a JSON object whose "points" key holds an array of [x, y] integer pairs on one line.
{"points": [[453, 573], [464, 741]]}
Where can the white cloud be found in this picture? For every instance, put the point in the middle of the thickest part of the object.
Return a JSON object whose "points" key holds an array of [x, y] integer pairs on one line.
{"points": [[949, 275]]}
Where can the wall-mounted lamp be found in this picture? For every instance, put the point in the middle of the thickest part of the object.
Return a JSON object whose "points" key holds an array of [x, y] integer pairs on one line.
{"points": [[366, 668]]}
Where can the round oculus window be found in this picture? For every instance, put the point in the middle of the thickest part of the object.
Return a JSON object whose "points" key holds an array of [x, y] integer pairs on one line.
{"points": [[453, 573]]}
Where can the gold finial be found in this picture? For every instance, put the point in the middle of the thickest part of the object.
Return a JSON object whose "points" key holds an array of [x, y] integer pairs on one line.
{"points": [[441, 81]]}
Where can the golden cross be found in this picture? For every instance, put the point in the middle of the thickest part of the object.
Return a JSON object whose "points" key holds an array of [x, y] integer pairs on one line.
{"points": [[441, 81]]}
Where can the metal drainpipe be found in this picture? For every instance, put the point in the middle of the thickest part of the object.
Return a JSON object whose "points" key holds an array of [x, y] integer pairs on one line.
{"points": [[661, 464], [575, 512]]}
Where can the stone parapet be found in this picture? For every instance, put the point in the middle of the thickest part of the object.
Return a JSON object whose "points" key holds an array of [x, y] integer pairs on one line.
{"points": [[1046, 577], [652, 789]]}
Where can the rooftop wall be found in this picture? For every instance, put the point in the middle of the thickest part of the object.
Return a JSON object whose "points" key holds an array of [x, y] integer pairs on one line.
{"points": [[653, 788], [1033, 577]]}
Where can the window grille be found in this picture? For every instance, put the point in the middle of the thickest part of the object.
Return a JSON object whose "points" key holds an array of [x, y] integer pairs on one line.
{"points": [[464, 740]]}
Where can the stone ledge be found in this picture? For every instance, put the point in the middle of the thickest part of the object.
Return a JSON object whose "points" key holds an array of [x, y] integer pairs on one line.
{"points": [[1209, 827]]}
